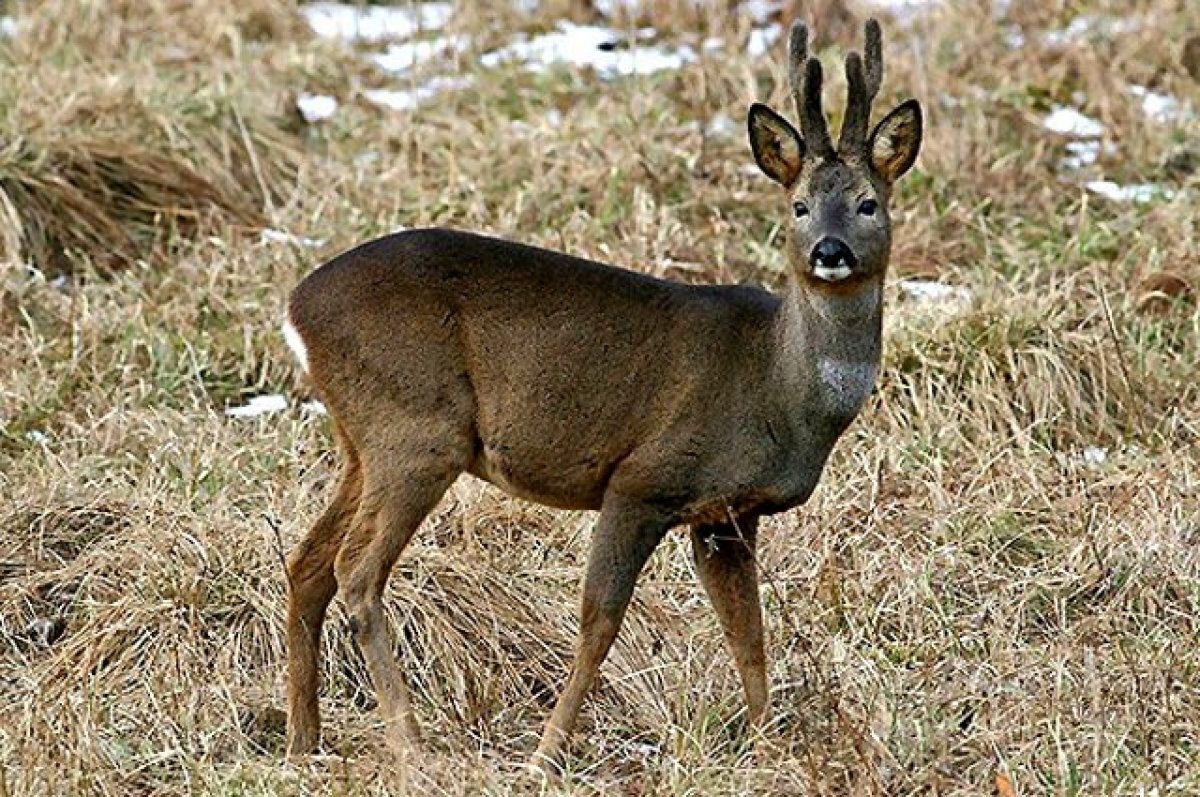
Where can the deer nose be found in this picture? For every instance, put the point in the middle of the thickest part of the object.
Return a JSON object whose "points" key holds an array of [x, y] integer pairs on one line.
{"points": [[832, 254]]}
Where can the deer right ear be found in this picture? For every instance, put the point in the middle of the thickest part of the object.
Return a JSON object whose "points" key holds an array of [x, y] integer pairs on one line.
{"points": [[778, 148]]}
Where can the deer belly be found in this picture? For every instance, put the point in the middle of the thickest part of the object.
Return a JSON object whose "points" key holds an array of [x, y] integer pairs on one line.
{"points": [[566, 480]]}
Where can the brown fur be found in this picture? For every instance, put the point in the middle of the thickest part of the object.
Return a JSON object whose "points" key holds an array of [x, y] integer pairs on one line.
{"points": [[577, 385]]}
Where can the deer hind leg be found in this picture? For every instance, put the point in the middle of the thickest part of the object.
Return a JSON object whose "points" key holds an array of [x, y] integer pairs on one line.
{"points": [[399, 490], [623, 540], [311, 586], [724, 556]]}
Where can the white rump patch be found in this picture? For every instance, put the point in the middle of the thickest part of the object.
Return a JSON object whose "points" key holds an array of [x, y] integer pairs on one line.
{"points": [[295, 342]]}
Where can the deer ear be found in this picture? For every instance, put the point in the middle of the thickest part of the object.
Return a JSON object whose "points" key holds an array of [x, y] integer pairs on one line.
{"points": [[778, 149], [897, 140]]}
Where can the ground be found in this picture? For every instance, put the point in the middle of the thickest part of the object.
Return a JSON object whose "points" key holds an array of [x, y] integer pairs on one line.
{"points": [[995, 588]]}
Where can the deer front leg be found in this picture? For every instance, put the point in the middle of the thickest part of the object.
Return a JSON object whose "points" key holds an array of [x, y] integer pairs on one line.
{"points": [[625, 536], [724, 555]]}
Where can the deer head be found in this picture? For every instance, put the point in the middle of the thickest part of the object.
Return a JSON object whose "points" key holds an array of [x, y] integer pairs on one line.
{"points": [[840, 227]]}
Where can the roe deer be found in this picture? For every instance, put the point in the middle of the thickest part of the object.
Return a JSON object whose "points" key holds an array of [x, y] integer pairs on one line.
{"points": [[584, 386]]}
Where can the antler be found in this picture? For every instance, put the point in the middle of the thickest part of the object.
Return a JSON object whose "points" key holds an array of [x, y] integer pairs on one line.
{"points": [[862, 85], [805, 76]]}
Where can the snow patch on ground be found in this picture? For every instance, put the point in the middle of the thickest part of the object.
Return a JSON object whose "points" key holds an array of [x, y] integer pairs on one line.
{"points": [[273, 236], [1087, 26], [400, 58], [407, 99], [1137, 193], [904, 10], [603, 49], [761, 11], [1159, 107], [316, 107], [259, 405], [762, 40], [1081, 154], [723, 126], [1070, 122], [1088, 457], [933, 292], [8, 27], [374, 23]]}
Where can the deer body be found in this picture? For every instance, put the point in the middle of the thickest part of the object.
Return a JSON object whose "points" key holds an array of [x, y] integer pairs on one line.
{"points": [[583, 386], [692, 398]]}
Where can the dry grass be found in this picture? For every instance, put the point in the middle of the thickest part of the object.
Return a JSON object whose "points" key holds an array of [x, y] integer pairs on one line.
{"points": [[966, 594]]}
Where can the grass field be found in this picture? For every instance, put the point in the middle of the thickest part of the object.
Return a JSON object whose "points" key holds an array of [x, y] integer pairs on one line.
{"points": [[998, 577]]}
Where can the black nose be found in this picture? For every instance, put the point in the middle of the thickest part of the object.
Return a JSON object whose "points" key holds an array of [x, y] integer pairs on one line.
{"points": [[832, 253]]}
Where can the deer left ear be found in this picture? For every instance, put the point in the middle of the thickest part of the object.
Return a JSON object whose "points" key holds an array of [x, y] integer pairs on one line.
{"points": [[896, 141]]}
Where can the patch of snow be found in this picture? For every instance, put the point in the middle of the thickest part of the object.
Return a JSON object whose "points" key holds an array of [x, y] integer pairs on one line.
{"points": [[722, 126], [314, 407], [602, 49], [1013, 38], [644, 750], [409, 98], [374, 23], [8, 27], [712, 44], [933, 292], [273, 236], [35, 436], [1082, 27], [762, 39], [366, 159], [1085, 153], [610, 8], [904, 10], [399, 58], [761, 11], [1156, 106], [1094, 455], [259, 405], [1070, 122], [1139, 193], [316, 107]]}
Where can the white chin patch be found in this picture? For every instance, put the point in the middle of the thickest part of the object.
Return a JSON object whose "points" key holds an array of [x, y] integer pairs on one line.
{"points": [[836, 274]]}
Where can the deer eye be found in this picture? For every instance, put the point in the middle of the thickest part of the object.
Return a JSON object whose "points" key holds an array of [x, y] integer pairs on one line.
{"points": [[868, 207], [799, 209]]}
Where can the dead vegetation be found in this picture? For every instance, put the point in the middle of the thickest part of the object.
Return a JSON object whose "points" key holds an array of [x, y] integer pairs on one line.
{"points": [[995, 586]]}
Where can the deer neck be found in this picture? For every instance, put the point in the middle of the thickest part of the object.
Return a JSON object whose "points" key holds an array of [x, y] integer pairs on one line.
{"points": [[828, 350]]}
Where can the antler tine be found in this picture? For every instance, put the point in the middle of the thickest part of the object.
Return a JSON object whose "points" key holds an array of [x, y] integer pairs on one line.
{"points": [[813, 126], [797, 55], [862, 84], [874, 57], [804, 73]]}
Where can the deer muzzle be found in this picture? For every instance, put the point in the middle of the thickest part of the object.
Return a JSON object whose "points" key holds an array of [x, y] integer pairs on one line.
{"points": [[832, 260]]}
